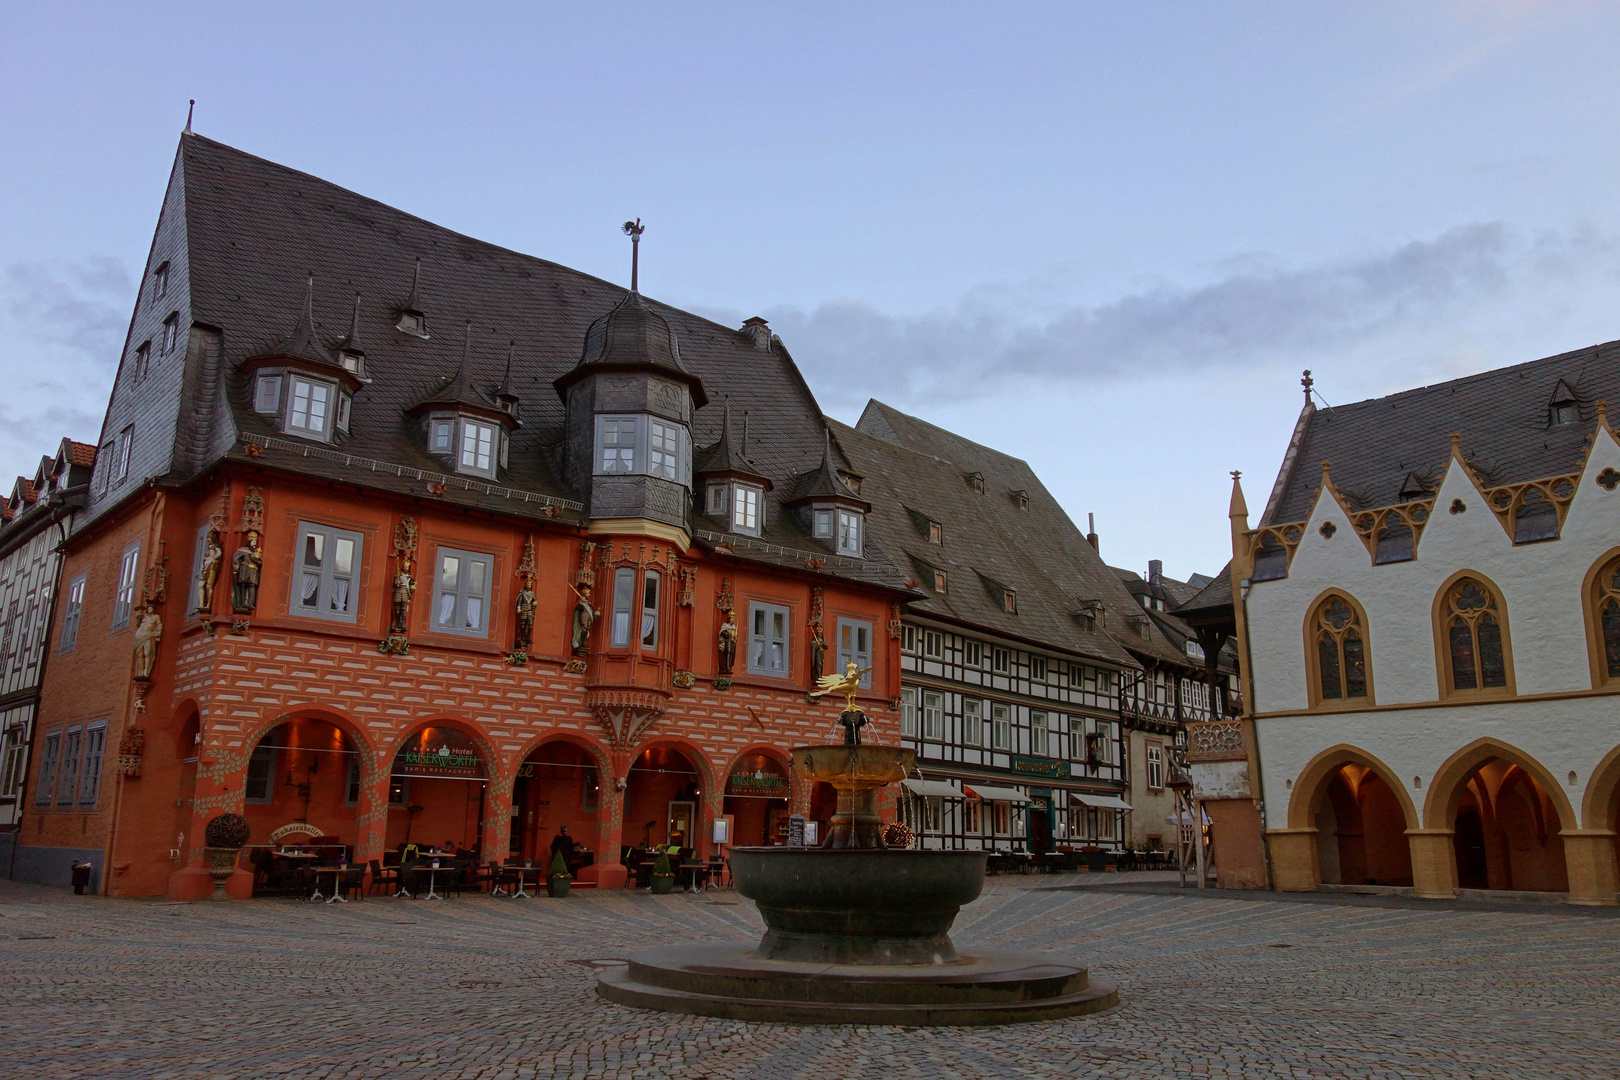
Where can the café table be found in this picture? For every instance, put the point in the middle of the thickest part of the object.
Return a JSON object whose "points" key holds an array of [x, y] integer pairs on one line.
{"points": [[337, 883], [692, 868], [520, 892], [433, 871]]}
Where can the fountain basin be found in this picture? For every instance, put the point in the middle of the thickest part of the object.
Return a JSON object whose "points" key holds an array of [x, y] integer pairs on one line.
{"points": [[855, 906]]}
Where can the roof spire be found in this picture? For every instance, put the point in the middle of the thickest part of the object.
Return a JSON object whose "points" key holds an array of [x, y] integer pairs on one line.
{"points": [[1307, 382], [634, 229], [189, 110], [744, 450], [506, 376], [351, 340], [413, 302]]}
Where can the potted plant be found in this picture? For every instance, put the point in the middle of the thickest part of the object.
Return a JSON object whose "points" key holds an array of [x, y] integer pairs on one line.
{"points": [[663, 878], [557, 878], [224, 837]]}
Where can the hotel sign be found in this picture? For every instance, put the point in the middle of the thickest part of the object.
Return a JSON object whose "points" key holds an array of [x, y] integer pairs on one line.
{"points": [[440, 752], [1040, 766]]}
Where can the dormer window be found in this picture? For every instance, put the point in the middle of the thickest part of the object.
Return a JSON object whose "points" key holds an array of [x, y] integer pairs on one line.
{"points": [[1009, 601], [1020, 497], [933, 533], [477, 448], [267, 393], [310, 411], [849, 533], [617, 441], [441, 437], [160, 282], [1563, 410], [975, 480], [745, 508], [823, 524], [412, 322], [939, 580], [353, 361]]}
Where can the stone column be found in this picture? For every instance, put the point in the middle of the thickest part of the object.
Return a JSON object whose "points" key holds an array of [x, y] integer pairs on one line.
{"points": [[495, 831], [371, 818], [221, 777], [1434, 864], [610, 871], [1295, 866], [1589, 859], [713, 806]]}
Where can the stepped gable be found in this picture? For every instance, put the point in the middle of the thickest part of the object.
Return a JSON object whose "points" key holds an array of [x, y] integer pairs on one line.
{"points": [[1504, 417], [915, 473], [256, 230]]}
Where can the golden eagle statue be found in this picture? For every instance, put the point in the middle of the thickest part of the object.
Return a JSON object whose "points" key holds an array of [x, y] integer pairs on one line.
{"points": [[848, 684]]}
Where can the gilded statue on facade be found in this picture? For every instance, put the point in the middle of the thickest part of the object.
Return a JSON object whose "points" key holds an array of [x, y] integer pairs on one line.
{"points": [[728, 643], [208, 572], [584, 619], [148, 632], [246, 565]]}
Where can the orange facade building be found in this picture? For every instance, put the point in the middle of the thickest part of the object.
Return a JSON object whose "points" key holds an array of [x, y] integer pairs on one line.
{"points": [[399, 537]]}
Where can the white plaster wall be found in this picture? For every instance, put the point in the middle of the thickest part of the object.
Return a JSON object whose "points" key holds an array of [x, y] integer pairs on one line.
{"points": [[1566, 736], [1540, 583]]}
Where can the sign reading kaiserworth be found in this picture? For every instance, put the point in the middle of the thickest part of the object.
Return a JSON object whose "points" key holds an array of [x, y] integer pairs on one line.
{"points": [[439, 751]]}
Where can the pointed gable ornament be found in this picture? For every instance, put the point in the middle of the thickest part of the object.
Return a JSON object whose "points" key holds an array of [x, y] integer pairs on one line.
{"points": [[412, 320]]}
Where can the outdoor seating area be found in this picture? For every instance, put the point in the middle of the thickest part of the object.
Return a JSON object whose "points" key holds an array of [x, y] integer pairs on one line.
{"points": [[1069, 861]]}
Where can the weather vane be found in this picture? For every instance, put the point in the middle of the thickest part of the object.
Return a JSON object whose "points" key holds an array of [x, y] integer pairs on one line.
{"points": [[634, 229]]}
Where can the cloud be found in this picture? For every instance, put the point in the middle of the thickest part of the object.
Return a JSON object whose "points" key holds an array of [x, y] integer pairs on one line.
{"points": [[1474, 292], [61, 329]]}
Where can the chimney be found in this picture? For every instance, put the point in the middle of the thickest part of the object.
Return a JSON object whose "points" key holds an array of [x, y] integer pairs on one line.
{"points": [[759, 332], [1155, 570], [1091, 532]]}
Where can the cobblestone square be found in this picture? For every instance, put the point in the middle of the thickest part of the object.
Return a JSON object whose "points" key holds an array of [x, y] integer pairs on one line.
{"points": [[1211, 986]]}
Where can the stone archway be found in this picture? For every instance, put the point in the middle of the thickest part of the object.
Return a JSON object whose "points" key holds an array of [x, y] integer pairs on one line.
{"points": [[1348, 823], [1593, 852], [444, 786], [563, 781], [1506, 816]]}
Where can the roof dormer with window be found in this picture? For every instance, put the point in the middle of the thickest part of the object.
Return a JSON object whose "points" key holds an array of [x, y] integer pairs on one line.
{"points": [[299, 383], [466, 427], [830, 511], [733, 487]]}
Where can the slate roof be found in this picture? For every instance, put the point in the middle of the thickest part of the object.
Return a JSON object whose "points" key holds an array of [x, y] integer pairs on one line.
{"points": [[1213, 600], [1502, 416], [255, 230], [914, 473]]}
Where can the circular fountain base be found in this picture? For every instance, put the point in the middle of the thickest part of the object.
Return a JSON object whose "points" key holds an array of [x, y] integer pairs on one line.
{"points": [[733, 981]]}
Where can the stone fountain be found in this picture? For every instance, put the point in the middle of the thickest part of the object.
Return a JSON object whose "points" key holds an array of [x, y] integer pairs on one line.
{"points": [[856, 932]]}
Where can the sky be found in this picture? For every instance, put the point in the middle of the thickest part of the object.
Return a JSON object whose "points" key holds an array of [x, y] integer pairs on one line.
{"points": [[1105, 238]]}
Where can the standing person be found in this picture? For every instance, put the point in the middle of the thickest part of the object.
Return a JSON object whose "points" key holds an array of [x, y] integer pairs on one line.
{"points": [[564, 843]]}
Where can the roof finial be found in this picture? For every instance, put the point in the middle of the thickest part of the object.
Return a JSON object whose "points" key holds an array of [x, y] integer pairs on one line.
{"points": [[189, 110], [1602, 408], [744, 448], [466, 345], [506, 376], [413, 302], [1307, 382], [634, 229], [352, 339]]}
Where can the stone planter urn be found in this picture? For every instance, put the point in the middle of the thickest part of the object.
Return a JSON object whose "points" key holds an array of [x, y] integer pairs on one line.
{"points": [[224, 838]]}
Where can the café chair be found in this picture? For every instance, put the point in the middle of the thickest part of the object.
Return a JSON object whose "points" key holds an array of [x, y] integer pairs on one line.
{"points": [[384, 878]]}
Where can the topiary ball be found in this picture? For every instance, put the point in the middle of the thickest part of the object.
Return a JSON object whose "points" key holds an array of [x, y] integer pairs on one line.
{"points": [[227, 831], [897, 834]]}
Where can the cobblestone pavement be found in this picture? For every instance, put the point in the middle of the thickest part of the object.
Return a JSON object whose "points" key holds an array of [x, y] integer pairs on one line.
{"points": [[1210, 987]]}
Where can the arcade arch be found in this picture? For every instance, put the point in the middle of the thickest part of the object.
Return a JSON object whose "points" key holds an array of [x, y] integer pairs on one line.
{"points": [[1505, 813], [1360, 814]]}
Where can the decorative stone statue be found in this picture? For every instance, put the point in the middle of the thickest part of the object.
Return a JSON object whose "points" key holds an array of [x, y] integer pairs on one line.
{"points": [[208, 572], [148, 632], [245, 566], [728, 643], [818, 651], [404, 589], [584, 619], [853, 720], [524, 637]]}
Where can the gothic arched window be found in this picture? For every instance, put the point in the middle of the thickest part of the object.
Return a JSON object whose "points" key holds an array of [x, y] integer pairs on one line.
{"points": [[1472, 627], [1606, 619], [1340, 650]]}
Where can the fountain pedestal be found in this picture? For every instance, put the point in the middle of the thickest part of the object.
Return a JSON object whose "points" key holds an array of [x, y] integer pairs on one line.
{"points": [[856, 933]]}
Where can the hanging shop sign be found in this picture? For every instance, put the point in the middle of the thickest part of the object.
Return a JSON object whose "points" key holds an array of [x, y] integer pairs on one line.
{"points": [[440, 752], [1040, 766]]}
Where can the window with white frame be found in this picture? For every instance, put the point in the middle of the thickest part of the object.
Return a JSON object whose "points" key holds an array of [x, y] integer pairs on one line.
{"points": [[124, 596], [933, 814], [717, 500], [1001, 660], [441, 436], [972, 818], [477, 448], [972, 722], [1155, 765], [95, 745], [171, 329], [664, 449], [160, 281], [1077, 739], [933, 715], [14, 770], [260, 785], [973, 653], [855, 644], [72, 613], [908, 711], [1038, 742], [67, 781], [461, 592], [343, 404], [1001, 813], [650, 583], [126, 446], [267, 393], [908, 639], [624, 589], [934, 644], [745, 508], [1000, 726], [849, 533], [821, 524], [49, 759], [328, 564], [616, 441], [310, 411], [1037, 668], [143, 360], [768, 639]]}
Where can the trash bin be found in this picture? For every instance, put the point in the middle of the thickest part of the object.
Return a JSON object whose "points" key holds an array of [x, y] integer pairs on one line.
{"points": [[81, 877]]}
